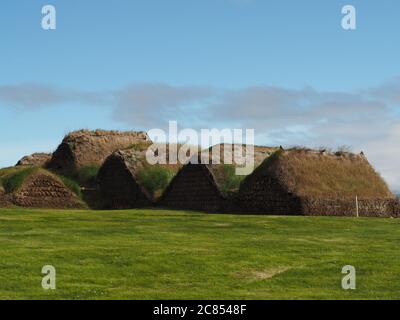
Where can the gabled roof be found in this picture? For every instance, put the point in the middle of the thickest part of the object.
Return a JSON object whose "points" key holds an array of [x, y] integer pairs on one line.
{"points": [[35, 159], [230, 157], [135, 161], [84, 147], [313, 173], [38, 188]]}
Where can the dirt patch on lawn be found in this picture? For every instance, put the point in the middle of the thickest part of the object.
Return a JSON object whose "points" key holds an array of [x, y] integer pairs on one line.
{"points": [[266, 274]]}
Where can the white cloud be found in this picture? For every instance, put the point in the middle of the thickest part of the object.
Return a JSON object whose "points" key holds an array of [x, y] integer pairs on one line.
{"points": [[384, 153], [28, 96], [154, 104]]}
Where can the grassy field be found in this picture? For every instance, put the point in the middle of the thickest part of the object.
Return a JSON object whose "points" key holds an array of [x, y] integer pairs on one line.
{"points": [[156, 254]]}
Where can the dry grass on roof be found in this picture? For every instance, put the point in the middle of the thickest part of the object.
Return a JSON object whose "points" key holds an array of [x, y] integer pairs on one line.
{"points": [[317, 174], [100, 132], [87, 148], [239, 154]]}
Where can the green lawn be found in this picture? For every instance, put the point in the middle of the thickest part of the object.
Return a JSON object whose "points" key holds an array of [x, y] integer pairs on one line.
{"points": [[156, 254]]}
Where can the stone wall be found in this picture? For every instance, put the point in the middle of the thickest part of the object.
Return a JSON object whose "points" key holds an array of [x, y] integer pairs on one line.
{"points": [[268, 196], [118, 186], [194, 188], [63, 160], [42, 190], [348, 207], [4, 199]]}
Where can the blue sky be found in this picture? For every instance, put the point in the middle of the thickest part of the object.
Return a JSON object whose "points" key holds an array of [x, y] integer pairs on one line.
{"points": [[285, 68]]}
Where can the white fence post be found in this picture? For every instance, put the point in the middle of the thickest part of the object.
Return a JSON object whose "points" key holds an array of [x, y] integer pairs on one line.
{"points": [[357, 207]]}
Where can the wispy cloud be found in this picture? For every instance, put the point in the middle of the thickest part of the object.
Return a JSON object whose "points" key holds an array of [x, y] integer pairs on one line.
{"points": [[29, 96], [152, 105]]}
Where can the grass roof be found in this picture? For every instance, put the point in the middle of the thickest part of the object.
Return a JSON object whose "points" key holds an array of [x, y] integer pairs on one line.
{"points": [[12, 178], [321, 174], [87, 148]]}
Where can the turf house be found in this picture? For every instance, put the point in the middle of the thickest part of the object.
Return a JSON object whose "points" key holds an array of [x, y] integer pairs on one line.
{"points": [[312, 182]]}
